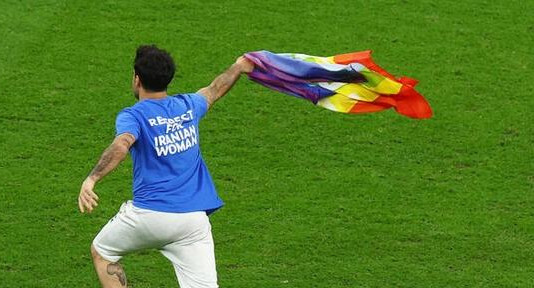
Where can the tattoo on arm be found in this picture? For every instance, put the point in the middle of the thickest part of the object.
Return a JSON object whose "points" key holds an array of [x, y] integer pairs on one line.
{"points": [[220, 86], [112, 156], [116, 269]]}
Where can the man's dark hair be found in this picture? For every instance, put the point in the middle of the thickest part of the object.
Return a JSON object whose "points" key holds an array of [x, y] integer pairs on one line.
{"points": [[154, 67]]}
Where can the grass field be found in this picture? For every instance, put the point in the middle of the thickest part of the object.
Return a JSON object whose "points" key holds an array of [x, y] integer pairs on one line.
{"points": [[313, 198]]}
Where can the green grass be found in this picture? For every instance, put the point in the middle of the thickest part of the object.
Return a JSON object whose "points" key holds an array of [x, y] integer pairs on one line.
{"points": [[313, 198]]}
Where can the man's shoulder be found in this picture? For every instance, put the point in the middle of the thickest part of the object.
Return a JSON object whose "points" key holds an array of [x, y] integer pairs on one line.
{"points": [[179, 99], [127, 110], [137, 107], [181, 96], [134, 111], [187, 95]]}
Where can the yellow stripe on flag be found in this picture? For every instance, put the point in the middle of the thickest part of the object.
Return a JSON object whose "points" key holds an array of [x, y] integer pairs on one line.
{"points": [[337, 102], [357, 92], [387, 86]]}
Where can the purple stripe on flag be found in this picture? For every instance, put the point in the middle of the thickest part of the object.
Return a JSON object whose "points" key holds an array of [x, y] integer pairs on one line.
{"points": [[295, 70], [304, 90]]}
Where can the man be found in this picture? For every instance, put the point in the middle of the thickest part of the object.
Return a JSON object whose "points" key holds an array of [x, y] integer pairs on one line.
{"points": [[173, 192]]}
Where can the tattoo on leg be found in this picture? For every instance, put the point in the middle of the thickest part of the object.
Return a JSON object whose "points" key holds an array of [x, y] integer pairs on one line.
{"points": [[116, 269]]}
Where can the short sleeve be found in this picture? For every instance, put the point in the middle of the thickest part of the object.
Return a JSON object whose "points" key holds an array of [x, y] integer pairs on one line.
{"points": [[200, 104], [127, 123]]}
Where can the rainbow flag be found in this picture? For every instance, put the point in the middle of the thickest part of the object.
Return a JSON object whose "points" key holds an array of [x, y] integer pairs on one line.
{"points": [[348, 83]]}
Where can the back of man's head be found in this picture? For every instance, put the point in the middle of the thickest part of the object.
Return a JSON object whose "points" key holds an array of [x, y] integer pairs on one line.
{"points": [[155, 68]]}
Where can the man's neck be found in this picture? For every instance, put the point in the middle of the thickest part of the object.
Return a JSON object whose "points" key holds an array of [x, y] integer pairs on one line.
{"points": [[143, 95]]}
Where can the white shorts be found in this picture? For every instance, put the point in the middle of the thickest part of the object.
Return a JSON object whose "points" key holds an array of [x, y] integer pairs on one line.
{"points": [[184, 238]]}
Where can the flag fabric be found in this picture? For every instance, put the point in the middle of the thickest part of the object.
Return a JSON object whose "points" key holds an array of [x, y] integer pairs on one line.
{"points": [[348, 83]]}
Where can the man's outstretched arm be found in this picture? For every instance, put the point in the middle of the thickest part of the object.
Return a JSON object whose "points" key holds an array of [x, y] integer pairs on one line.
{"points": [[110, 159], [220, 86]]}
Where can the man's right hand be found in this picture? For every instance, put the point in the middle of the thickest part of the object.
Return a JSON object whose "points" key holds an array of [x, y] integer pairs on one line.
{"points": [[244, 64]]}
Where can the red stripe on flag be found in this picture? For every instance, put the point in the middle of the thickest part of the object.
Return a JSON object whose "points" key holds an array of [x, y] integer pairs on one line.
{"points": [[363, 58], [412, 104], [407, 102], [367, 107]]}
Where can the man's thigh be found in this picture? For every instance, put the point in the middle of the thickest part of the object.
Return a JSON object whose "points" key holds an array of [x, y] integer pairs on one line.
{"points": [[193, 258], [121, 235]]}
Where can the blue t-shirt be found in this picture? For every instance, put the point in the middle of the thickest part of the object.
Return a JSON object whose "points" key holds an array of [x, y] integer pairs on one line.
{"points": [[169, 174]]}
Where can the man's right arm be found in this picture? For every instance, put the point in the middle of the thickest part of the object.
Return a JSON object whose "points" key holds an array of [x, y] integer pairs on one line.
{"points": [[222, 84]]}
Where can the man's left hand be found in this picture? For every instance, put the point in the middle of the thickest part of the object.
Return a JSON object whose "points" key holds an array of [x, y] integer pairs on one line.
{"points": [[87, 200]]}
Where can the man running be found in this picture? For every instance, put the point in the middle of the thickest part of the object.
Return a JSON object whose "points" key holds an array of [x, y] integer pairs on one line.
{"points": [[173, 192]]}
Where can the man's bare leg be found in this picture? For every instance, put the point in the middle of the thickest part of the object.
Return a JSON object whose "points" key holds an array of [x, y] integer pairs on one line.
{"points": [[111, 274]]}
